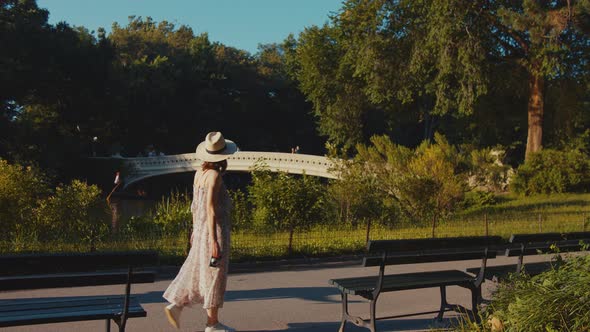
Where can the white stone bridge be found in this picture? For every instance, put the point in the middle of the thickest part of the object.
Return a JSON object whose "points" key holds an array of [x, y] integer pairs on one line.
{"points": [[138, 169]]}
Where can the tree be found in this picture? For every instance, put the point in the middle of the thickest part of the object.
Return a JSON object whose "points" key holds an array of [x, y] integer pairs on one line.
{"points": [[427, 183], [439, 56], [284, 202], [316, 62]]}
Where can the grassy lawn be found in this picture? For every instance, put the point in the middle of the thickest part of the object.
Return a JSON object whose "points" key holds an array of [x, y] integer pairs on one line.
{"points": [[558, 213], [513, 214]]}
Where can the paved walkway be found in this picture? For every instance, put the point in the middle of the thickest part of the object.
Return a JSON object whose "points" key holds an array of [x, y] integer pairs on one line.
{"points": [[280, 298]]}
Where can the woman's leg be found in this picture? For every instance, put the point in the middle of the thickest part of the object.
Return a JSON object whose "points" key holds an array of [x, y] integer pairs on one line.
{"points": [[212, 316]]}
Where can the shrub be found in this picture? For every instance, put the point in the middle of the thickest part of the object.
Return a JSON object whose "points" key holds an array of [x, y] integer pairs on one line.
{"points": [[428, 182], [552, 171], [356, 197], [557, 300], [284, 202], [172, 214], [488, 171], [74, 213], [479, 199], [241, 213], [139, 227], [21, 188]]}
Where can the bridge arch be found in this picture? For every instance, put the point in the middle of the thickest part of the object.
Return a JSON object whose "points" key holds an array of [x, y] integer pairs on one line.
{"points": [[142, 168]]}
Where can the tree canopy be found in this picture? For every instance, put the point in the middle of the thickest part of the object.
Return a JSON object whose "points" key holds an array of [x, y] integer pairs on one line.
{"points": [[443, 60]]}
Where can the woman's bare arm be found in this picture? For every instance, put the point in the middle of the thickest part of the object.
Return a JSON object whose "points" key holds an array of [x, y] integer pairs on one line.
{"points": [[213, 183]]}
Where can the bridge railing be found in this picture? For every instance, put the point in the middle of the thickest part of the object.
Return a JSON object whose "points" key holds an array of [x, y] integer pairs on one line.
{"points": [[243, 161]]}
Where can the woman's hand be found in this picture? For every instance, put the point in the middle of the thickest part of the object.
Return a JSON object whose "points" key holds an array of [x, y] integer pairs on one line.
{"points": [[215, 252]]}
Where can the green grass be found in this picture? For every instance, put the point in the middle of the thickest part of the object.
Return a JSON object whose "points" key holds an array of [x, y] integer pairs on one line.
{"points": [[558, 213]]}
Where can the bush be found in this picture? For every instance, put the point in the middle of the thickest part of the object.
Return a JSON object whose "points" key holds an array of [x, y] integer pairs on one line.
{"points": [[479, 199], [241, 213], [488, 171], [557, 300], [21, 188], [284, 202], [172, 214], [428, 182], [552, 171], [356, 197], [74, 213]]}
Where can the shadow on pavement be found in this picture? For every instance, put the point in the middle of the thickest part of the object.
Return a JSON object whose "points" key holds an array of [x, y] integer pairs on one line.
{"points": [[424, 324], [317, 294]]}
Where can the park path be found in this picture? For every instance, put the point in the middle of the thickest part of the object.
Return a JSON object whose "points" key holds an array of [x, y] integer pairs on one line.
{"points": [[277, 298]]}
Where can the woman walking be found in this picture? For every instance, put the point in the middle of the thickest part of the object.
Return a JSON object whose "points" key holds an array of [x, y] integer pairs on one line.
{"points": [[203, 276]]}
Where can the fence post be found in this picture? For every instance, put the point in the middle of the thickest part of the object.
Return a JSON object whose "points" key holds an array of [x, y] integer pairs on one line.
{"points": [[485, 217], [540, 223], [368, 232], [584, 222]]}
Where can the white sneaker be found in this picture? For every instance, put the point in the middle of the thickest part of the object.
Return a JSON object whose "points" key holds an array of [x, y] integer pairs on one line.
{"points": [[173, 313], [219, 328]]}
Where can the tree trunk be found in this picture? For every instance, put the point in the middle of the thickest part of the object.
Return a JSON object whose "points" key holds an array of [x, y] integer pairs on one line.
{"points": [[535, 115]]}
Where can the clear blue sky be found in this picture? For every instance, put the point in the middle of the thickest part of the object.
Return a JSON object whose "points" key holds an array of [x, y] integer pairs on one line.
{"points": [[239, 23]]}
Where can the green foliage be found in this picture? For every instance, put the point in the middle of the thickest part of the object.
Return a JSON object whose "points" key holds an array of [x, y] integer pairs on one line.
{"points": [[552, 171], [75, 212], [285, 202], [21, 188], [445, 59], [357, 197], [172, 214], [557, 300], [241, 217], [427, 182], [479, 199], [488, 171]]}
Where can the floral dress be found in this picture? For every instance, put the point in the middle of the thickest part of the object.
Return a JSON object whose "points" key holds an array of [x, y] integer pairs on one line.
{"points": [[196, 281]]}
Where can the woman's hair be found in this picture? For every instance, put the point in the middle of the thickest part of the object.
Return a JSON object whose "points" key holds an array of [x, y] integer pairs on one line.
{"points": [[219, 166]]}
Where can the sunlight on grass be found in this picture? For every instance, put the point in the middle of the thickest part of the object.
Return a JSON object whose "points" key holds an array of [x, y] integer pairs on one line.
{"points": [[556, 213]]}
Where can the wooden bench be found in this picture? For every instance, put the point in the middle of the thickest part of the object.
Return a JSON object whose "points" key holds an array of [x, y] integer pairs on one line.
{"points": [[521, 245], [38, 271], [392, 252]]}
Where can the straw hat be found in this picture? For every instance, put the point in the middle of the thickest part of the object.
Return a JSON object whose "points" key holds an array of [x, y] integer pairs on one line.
{"points": [[215, 148]]}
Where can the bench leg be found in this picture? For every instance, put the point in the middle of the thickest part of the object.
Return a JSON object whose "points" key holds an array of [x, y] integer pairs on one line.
{"points": [[108, 325], [443, 303], [344, 312], [475, 298], [372, 325]]}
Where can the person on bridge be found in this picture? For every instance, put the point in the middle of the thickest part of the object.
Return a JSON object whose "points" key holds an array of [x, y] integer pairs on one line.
{"points": [[203, 276]]}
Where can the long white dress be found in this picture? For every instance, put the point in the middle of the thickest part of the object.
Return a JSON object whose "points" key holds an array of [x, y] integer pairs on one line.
{"points": [[196, 281]]}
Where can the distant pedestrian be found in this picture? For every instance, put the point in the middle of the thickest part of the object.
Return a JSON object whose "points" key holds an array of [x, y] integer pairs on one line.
{"points": [[203, 276], [292, 150], [116, 182], [297, 149]]}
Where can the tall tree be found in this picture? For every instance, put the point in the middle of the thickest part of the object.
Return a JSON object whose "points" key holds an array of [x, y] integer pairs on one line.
{"points": [[439, 56]]}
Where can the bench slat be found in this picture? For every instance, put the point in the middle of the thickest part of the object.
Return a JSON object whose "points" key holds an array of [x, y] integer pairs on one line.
{"points": [[363, 285], [65, 310], [430, 256], [73, 280], [502, 271], [44, 263], [535, 248], [530, 238], [55, 302], [376, 246], [134, 312]]}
